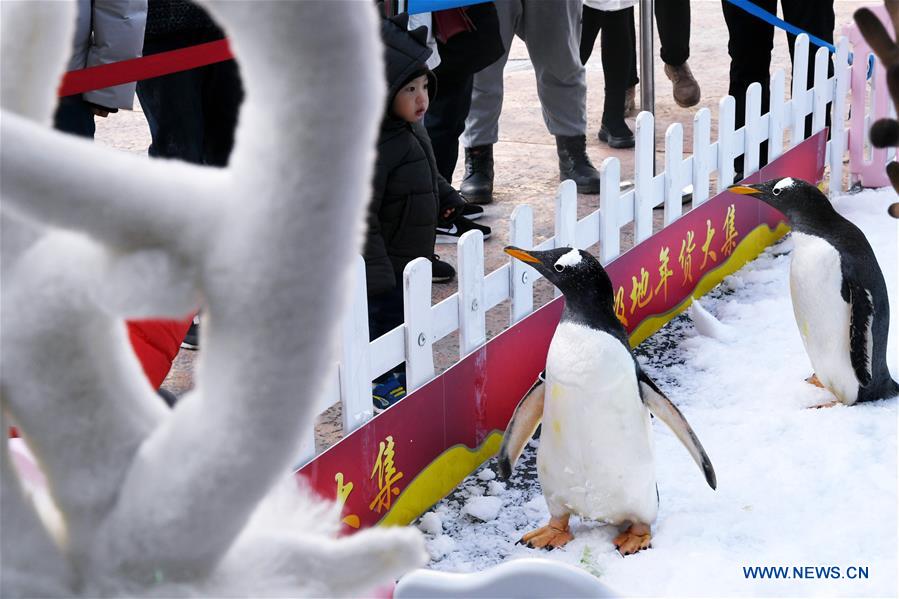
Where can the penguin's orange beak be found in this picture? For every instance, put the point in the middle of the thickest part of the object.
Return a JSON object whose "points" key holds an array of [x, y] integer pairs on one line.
{"points": [[520, 254], [745, 190]]}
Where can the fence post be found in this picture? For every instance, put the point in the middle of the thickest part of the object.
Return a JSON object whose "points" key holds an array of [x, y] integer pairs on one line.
{"points": [[674, 181], [644, 158], [752, 133], [776, 116], [726, 114], [566, 219], [800, 99], [521, 285], [566, 214], [609, 197], [702, 155], [418, 326], [472, 316], [819, 105], [355, 362], [838, 115]]}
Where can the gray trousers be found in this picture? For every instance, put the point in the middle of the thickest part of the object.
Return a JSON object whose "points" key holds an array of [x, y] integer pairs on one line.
{"points": [[551, 29]]}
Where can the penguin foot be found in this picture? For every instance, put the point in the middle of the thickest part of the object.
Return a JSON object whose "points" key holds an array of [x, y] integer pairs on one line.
{"points": [[552, 536], [829, 404], [634, 539], [813, 380]]}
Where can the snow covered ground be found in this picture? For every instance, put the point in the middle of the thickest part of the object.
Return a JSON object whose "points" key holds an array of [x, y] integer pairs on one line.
{"points": [[796, 487]]}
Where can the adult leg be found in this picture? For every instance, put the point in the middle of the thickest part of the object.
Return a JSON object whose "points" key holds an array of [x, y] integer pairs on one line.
{"points": [[615, 45], [673, 22], [482, 122], [633, 79], [749, 46], [552, 31], [445, 119], [816, 19], [173, 107], [73, 115], [590, 26], [630, 93], [222, 95]]}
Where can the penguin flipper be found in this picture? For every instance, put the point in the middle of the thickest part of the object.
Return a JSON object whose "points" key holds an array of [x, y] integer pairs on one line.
{"points": [[668, 413], [525, 418], [861, 341]]}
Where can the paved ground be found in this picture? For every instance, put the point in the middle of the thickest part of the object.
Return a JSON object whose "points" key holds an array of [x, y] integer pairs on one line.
{"points": [[526, 163]]}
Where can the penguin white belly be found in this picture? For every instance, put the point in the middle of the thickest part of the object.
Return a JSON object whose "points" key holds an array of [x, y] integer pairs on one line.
{"points": [[821, 313], [596, 456]]}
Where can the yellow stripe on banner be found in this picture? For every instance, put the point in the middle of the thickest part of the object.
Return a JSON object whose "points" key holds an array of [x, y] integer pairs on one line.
{"points": [[438, 479], [747, 250]]}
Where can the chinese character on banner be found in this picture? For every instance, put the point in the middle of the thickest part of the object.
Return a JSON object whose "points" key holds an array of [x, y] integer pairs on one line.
{"points": [[706, 254], [664, 272], [343, 493], [387, 476], [641, 292], [619, 306], [730, 231], [685, 258]]}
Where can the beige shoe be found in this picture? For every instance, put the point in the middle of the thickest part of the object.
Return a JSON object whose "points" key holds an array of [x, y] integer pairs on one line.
{"points": [[630, 101], [686, 89]]}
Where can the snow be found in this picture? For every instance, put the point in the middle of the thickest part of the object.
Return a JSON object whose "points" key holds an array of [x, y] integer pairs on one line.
{"points": [[709, 326], [495, 487], [440, 545], [796, 487], [431, 523], [486, 474], [484, 508]]}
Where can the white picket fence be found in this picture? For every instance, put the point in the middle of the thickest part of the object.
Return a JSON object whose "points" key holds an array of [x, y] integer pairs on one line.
{"points": [[360, 361]]}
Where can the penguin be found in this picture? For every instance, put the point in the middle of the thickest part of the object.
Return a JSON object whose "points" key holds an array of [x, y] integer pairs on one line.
{"points": [[595, 458], [839, 296]]}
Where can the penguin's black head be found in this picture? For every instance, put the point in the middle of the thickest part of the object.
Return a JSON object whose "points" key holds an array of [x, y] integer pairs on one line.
{"points": [[802, 203], [578, 275]]}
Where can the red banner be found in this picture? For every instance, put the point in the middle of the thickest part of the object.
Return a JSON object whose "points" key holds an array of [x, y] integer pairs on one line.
{"points": [[403, 461]]}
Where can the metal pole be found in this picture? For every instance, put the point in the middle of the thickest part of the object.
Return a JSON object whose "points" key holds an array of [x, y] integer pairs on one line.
{"points": [[647, 73], [647, 56]]}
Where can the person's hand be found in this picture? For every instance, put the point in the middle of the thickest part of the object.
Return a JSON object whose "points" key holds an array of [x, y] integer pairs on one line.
{"points": [[101, 111]]}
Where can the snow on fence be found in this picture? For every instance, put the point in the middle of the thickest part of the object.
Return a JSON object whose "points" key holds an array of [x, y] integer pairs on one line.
{"points": [[360, 361]]}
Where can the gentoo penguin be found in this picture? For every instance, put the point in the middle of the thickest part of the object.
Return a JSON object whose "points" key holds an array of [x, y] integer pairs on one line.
{"points": [[595, 458], [839, 296]]}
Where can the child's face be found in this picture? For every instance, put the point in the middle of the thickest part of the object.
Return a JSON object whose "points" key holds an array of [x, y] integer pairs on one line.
{"points": [[411, 102]]}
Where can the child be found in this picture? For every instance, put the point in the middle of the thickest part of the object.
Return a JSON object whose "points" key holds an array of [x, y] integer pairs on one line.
{"points": [[409, 198]]}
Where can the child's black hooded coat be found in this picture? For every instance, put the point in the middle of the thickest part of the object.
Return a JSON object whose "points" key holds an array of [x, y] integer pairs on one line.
{"points": [[408, 192]]}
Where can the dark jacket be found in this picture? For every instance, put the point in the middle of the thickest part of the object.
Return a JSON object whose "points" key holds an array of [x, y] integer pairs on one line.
{"points": [[178, 23], [408, 193]]}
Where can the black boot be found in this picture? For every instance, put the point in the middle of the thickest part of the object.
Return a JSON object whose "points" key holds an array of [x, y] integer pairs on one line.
{"points": [[575, 165], [477, 184]]}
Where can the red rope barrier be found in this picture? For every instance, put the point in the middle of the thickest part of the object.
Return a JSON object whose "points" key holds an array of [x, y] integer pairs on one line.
{"points": [[146, 67]]}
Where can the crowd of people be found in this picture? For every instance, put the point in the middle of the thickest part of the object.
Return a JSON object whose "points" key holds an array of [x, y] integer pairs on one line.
{"points": [[444, 73]]}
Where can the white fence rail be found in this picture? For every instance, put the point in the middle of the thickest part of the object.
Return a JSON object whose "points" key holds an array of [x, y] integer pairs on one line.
{"points": [[465, 311]]}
